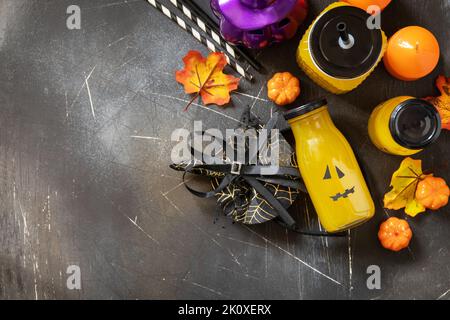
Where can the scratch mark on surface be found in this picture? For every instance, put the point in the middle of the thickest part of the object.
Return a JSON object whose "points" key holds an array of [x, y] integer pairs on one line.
{"points": [[14, 199], [194, 104], [266, 258], [145, 137], [240, 241], [324, 241], [325, 245], [67, 105], [251, 96], [26, 233], [240, 273], [350, 262], [116, 41], [89, 91], [256, 98], [127, 62], [204, 287], [35, 270], [308, 221], [170, 177], [140, 228], [47, 210], [78, 94], [177, 186], [233, 256], [443, 295], [294, 256]]}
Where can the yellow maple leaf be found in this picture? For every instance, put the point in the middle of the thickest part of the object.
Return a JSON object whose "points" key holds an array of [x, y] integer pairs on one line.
{"points": [[204, 77], [403, 188]]}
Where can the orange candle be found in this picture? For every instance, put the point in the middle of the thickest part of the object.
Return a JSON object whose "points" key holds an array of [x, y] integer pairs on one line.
{"points": [[412, 53], [364, 4]]}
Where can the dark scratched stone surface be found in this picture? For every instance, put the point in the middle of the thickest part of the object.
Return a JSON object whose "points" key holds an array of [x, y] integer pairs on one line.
{"points": [[79, 187]]}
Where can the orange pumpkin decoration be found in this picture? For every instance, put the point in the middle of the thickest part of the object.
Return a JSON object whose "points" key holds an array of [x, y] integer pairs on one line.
{"points": [[432, 193], [395, 234], [283, 88]]}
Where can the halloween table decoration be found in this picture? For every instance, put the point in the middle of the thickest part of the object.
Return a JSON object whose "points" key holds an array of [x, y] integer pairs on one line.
{"points": [[283, 88], [202, 39], [329, 169], [403, 188], [339, 51], [252, 194], [432, 193], [204, 77], [412, 53], [395, 234], [258, 23], [404, 125]]}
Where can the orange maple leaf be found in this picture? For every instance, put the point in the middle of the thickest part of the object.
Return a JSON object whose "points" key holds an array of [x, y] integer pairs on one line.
{"points": [[442, 103], [204, 77]]}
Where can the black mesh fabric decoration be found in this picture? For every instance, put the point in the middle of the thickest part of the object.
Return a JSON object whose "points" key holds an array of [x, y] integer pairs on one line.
{"points": [[246, 205]]}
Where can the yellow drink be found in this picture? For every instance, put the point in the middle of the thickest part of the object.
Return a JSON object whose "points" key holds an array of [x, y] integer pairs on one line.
{"points": [[329, 169], [404, 125], [340, 70]]}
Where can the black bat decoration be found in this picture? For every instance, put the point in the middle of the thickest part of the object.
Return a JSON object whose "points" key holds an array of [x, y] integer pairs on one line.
{"points": [[343, 195]]}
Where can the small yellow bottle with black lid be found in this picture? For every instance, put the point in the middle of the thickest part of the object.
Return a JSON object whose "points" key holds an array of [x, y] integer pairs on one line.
{"points": [[329, 169], [404, 125], [339, 51]]}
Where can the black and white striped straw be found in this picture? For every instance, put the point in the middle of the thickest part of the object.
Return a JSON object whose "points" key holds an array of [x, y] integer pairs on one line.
{"points": [[205, 27], [202, 18], [209, 44]]}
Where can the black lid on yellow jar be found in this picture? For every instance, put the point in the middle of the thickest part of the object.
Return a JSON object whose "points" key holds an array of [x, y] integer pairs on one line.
{"points": [[415, 124], [304, 109], [342, 45]]}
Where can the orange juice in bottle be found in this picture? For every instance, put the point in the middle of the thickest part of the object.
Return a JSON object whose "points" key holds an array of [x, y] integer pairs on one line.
{"points": [[329, 169]]}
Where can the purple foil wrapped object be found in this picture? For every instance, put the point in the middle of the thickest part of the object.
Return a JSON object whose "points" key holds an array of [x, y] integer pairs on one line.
{"points": [[258, 23]]}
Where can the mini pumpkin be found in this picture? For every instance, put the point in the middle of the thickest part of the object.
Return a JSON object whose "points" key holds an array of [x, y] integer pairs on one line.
{"points": [[432, 193], [395, 234], [283, 88]]}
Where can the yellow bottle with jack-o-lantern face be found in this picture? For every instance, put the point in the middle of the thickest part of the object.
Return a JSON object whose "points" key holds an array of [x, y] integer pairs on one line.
{"points": [[329, 169]]}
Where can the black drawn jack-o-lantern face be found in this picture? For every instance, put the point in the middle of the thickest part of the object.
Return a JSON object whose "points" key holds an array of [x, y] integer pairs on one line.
{"points": [[340, 175]]}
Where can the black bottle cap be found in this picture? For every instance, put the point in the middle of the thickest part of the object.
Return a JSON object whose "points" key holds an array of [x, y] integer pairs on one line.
{"points": [[342, 45], [415, 124], [304, 109]]}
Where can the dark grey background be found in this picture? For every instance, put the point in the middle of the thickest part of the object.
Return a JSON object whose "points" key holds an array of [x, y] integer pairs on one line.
{"points": [[80, 190]]}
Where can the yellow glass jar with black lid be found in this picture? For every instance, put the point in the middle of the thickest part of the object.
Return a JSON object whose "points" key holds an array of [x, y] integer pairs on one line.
{"points": [[339, 51], [404, 125]]}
